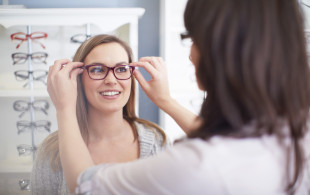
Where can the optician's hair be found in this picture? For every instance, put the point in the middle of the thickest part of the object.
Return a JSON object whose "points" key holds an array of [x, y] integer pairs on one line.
{"points": [[50, 144], [253, 66]]}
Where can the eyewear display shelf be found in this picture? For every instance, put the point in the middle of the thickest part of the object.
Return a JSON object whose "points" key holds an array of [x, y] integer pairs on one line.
{"points": [[27, 114]]}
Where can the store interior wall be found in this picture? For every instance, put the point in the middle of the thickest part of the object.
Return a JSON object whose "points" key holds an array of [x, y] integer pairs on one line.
{"points": [[148, 33]]}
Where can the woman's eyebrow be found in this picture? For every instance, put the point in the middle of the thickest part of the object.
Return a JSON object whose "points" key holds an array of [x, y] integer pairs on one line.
{"points": [[99, 63], [121, 63]]}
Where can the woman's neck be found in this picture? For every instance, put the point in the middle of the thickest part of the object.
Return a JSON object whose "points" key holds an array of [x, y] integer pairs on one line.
{"points": [[107, 126]]}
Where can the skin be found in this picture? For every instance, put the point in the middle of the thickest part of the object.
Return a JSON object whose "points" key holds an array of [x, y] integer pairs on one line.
{"points": [[108, 129]]}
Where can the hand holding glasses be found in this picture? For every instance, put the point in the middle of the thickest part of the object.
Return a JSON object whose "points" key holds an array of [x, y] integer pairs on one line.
{"points": [[100, 71], [24, 106], [37, 57], [20, 36]]}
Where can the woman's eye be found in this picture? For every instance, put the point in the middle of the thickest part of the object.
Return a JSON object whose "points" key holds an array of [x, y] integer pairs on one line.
{"points": [[121, 69], [97, 69]]}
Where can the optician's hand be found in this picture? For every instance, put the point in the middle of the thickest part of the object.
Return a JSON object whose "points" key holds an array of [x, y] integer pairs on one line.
{"points": [[157, 88], [158, 91], [61, 83]]}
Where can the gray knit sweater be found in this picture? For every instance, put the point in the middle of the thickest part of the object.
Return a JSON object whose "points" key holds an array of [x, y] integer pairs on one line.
{"points": [[44, 181]]}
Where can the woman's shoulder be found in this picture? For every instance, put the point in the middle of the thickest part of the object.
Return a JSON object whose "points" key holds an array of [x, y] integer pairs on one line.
{"points": [[151, 140]]}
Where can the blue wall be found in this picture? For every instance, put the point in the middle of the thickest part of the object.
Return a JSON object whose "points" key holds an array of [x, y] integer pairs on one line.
{"points": [[148, 32]]}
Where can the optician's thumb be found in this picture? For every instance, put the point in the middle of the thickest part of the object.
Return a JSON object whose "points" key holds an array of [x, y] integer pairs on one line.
{"points": [[75, 72], [143, 83]]}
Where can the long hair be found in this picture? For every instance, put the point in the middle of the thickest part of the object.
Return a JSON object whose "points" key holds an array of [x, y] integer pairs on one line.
{"points": [[253, 66], [50, 144]]}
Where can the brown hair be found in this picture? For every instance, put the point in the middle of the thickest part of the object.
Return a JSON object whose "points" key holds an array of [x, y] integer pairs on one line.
{"points": [[253, 65], [50, 145]]}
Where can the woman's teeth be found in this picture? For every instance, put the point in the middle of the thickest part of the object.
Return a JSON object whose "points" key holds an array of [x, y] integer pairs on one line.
{"points": [[110, 93]]}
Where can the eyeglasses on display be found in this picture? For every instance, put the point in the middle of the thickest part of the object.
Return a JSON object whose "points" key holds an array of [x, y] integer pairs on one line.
{"points": [[25, 150], [40, 126], [37, 57], [20, 36], [24, 106], [79, 38], [38, 75], [24, 184], [100, 71]]}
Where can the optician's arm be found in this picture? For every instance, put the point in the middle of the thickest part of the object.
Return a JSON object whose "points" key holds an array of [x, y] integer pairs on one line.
{"points": [[62, 88], [157, 90]]}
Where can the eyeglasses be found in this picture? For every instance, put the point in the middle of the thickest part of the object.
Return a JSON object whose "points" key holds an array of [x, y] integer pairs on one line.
{"points": [[38, 75], [25, 150], [37, 57], [20, 36], [24, 184], [100, 71], [41, 126], [24, 106], [186, 39], [80, 38]]}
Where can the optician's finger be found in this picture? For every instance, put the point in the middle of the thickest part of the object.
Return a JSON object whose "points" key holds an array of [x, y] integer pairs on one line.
{"points": [[68, 68], [59, 64], [143, 83], [147, 66], [154, 61], [75, 72]]}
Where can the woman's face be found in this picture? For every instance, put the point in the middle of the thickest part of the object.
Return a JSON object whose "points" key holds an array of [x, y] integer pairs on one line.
{"points": [[109, 94], [194, 56]]}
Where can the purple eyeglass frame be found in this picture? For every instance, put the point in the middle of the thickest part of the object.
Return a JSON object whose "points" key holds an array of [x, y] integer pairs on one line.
{"points": [[109, 68]]}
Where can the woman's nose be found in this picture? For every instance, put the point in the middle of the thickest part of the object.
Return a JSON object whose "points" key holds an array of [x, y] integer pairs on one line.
{"points": [[110, 78]]}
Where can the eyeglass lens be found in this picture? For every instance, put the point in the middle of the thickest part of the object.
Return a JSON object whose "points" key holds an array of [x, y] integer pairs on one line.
{"points": [[37, 57], [98, 72], [41, 126], [24, 106]]}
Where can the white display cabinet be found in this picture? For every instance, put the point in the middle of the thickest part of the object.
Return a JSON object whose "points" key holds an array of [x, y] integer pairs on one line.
{"points": [[181, 72], [60, 25]]}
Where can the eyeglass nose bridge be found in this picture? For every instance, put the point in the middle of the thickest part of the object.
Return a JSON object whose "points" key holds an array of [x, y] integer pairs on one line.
{"points": [[113, 72]]}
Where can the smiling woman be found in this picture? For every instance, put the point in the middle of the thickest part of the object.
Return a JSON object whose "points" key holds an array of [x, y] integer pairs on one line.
{"points": [[103, 106]]}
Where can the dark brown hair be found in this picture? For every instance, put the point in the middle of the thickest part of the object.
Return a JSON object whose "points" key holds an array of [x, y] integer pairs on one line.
{"points": [[50, 145], [253, 65]]}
